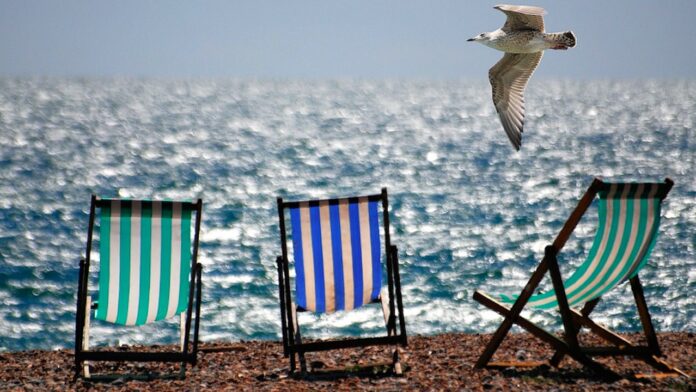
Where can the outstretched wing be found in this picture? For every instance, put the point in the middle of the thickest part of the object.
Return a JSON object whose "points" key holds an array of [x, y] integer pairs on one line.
{"points": [[509, 78], [522, 17]]}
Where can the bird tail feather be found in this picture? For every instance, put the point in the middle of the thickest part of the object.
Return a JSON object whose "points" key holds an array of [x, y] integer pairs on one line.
{"points": [[563, 40]]}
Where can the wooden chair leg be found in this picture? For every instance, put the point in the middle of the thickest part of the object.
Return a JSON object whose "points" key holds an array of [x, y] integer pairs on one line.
{"points": [[620, 341], [511, 314], [569, 326], [297, 340], [389, 320], [644, 314], [584, 312], [548, 337], [182, 330], [396, 362], [85, 336]]}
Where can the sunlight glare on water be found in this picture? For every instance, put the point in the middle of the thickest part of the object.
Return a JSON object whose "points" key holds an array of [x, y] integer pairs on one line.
{"points": [[467, 211]]}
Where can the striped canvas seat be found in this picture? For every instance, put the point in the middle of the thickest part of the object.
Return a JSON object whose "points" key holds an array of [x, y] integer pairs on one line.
{"points": [[629, 216], [148, 271], [145, 261], [337, 254], [338, 257]]}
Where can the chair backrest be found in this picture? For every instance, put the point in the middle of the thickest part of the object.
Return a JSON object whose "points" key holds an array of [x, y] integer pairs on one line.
{"points": [[629, 218], [146, 258], [337, 252]]}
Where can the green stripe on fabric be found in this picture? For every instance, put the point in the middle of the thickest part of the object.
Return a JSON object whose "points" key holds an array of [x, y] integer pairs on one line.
{"points": [[166, 266], [145, 262], [582, 269], [654, 230], [642, 204], [602, 214], [611, 241], [613, 228], [185, 281], [605, 281], [125, 264], [104, 246]]}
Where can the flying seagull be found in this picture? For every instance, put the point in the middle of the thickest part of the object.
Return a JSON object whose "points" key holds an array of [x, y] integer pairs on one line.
{"points": [[523, 40]]}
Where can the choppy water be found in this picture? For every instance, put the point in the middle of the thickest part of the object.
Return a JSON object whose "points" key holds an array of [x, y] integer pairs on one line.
{"points": [[467, 212]]}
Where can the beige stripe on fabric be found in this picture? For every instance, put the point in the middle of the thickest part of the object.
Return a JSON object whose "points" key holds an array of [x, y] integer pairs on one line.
{"points": [[610, 262], [114, 261], [598, 256], [307, 252], [366, 247], [155, 259], [134, 297], [649, 229], [327, 257], [631, 239], [347, 252], [175, 270]]}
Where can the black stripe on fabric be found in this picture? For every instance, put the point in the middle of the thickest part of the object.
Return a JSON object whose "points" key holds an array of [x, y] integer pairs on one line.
{"points": [[314, 203], [168, 204], [632, 193]]}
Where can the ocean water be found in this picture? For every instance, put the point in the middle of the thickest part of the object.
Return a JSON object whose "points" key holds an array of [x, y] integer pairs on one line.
{"points": [[467, 211]]}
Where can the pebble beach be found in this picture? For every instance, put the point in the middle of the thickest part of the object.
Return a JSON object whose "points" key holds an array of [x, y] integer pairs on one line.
{"points": [[431, 363]]}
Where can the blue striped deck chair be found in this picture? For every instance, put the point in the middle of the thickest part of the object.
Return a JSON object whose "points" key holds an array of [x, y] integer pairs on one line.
{"points": [[628, 222], [338, 260], [148, 272]]}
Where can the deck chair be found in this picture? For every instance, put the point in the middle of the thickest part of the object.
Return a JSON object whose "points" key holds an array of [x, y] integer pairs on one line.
{"points": [[338, 267], [629, 217], [148, 272]]}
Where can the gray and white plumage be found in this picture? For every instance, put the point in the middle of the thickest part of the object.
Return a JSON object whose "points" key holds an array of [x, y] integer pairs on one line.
{"points": [[523, 40]]}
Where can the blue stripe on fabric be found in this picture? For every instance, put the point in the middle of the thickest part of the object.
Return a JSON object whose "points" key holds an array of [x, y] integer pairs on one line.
{"points": [[319, 290], [354, 215], [301, 296], [376, 253], [337, 248]]}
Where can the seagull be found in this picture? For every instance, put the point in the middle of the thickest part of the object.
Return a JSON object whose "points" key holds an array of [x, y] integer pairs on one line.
{"points": [[523, 40]]}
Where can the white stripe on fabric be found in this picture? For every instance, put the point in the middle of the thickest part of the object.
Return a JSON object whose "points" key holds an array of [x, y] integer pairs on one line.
{"points": [[327, 253], [175, 270], [155, 259], [114, 261], [598, 256], [308, 256], [629, 246], [134, 297], [347, 252], [366, 247], [650, 229], [613, 249]]}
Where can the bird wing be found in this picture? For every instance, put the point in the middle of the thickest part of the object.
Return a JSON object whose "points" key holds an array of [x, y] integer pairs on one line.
{"points": [[508, 78], [522, 17]]}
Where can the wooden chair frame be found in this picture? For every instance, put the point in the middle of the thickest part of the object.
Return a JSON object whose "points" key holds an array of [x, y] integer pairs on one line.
{"points": [[292, 340], [189, 347], [574, 320]]}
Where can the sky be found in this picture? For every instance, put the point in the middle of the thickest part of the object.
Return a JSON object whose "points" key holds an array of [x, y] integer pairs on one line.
{"points": [[371, 39]]}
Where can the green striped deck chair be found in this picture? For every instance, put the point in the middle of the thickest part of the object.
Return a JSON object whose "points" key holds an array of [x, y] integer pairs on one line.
{"points": [[628, 222], [337, 257], [148, 272]]}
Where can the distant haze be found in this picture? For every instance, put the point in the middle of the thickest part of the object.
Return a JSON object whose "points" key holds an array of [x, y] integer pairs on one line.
{"points": [[333, 39]]}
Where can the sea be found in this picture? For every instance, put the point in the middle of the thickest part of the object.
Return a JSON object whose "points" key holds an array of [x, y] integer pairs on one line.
{"points": [[467, 211]]}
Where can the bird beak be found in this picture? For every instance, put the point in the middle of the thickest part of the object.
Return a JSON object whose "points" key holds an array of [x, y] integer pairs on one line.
{"points": [[471, 39]]}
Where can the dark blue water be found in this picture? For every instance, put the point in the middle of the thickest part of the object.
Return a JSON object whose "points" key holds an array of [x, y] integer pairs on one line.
{"points": [[467, 211]]}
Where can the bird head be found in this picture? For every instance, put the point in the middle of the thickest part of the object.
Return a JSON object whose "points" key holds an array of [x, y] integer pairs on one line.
{"points": [[483, 37]]}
